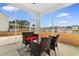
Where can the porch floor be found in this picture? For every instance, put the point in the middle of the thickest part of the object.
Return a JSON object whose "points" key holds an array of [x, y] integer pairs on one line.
{"points": [[64, 50]]}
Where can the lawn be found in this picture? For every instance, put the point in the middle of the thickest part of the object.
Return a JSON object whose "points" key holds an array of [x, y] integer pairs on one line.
{"points": [[72, 39]]}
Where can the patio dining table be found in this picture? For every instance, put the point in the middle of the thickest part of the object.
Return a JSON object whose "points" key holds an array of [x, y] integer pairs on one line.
{"points": [[29, 38]]}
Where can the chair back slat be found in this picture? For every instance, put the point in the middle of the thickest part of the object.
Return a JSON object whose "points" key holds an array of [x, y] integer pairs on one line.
{"points": [[26, 34], [45, 43], [54, 43], [35, 49]]}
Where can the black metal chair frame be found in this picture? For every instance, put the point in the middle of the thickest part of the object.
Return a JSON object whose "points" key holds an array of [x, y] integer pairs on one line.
{"points": [[26, 34], [26, 42], [44, 46], [54, 43]]}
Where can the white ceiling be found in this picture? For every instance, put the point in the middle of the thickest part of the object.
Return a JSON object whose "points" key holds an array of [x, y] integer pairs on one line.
{"points": [[40, 7]]}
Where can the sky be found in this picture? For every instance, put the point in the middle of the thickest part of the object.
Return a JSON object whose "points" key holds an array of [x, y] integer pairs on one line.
{"points": [[62, 17]]}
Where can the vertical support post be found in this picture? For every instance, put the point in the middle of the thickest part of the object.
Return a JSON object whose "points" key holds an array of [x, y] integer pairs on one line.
{"points": [[15, 21], [15, 24], [38, 25], [18, 26], [52, 25], [30, 25], [15, 27]]}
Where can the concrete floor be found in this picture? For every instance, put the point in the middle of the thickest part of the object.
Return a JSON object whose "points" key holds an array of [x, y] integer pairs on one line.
{"points": [[64, 50]]}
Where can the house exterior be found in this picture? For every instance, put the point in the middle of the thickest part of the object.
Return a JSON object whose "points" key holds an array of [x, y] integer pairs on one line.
{"points": [[46, 29], [12, 27], [4, 22], [75, 27], [65, 29], [19, 26]]}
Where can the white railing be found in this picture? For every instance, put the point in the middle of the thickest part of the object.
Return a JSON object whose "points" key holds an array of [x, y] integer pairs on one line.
{"points": [[10, 39]]}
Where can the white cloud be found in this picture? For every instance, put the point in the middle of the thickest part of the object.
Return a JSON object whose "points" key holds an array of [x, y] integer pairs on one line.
{"points": [[49, 24], [63, 21], [63, 15], [9, 8]]}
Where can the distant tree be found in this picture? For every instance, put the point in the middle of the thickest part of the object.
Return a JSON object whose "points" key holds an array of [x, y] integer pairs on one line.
{"points": [[22, 23], [33, 25], [78, 27]]}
